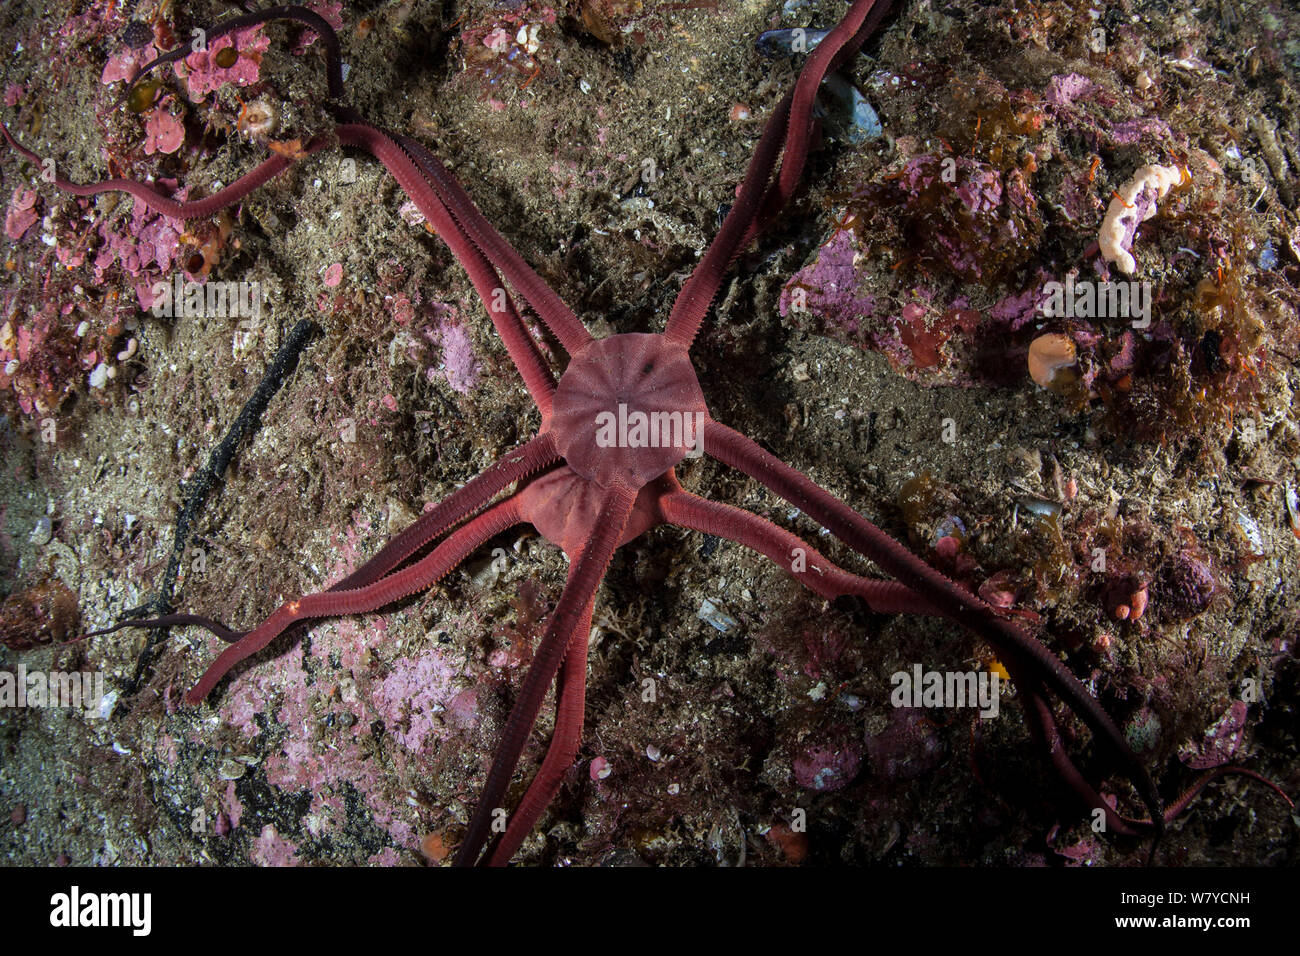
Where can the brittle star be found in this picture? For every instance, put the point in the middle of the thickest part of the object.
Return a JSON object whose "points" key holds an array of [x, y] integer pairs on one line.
{"points": [[590, 494]]}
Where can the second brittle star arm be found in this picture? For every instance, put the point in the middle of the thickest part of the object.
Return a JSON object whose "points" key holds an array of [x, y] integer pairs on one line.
{"points": [[566, 327], [455, 508], [570, 700], [1043, 728], [523, 350], [818, 574], [732, 448], [526, 460], [477, 261], [787, 134], [387, 590], [585, 574], [550, 308], [175, 208]]}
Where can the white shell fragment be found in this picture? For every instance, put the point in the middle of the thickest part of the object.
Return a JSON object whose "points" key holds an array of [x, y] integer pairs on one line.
{"points": [[1251, 536], [42, 531], [716, 618]]}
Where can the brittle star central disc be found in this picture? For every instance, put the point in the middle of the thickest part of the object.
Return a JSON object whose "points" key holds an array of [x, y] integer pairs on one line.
{"points": [[628, 406]]}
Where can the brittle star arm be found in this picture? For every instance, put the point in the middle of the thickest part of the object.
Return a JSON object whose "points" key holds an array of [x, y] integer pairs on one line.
{"points": [[519, 344], [523, 461], [957, 604], [819, 575], [176, 208], [518, 340], [454, 199], [888, 597], [543, 300], [387, 590], [308, 18], [689, 511], [585, 575], [1043, 727], [528, 459], [468, 227], [566, 738], [522, 350], [757, 203], [801, 120]]}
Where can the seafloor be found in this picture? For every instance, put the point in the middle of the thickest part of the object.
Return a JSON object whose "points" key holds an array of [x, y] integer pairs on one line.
{"points": [[606, 144]]}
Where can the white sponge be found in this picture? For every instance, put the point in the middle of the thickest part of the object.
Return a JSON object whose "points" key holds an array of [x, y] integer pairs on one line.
{"points": [[1134, 203]]}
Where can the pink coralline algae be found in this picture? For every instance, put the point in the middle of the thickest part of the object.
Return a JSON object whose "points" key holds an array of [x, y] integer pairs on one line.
{"points": [[936, 225], [827, 298], [121, 66], [143, 244], [411, 696], [981, 192], [1077, 200], [1222, 741], [321, 709], [497, 40], [1065, 89], [961, 213], [1129, 132], [202, 75], [411, 214], [828, 288], [38, 356], [459, 363], [1083, 853], [271, 849], [233, 809], [1082, 105], [164, 132], [331, 12], [1020, 309], [200, 71], [21, 214], [947, 217], [301, 695]]}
